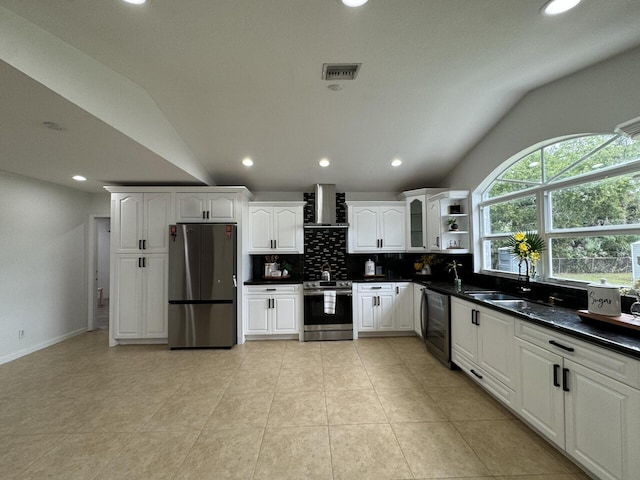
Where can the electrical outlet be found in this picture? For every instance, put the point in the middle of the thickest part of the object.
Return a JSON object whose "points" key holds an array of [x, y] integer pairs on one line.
{"points": [[20, 333]]}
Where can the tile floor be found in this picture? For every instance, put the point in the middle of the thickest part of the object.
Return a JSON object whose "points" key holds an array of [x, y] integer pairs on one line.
{"points": [[369, 409]]}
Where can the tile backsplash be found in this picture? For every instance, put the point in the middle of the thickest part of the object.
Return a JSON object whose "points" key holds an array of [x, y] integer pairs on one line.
{"points": [[325, 244]]}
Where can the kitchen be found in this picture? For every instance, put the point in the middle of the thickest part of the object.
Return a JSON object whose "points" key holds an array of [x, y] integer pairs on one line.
{"points": [[64, 213]]}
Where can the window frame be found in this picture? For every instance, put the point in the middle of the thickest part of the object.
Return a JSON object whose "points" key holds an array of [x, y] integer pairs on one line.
{"points": [[542, 192]]}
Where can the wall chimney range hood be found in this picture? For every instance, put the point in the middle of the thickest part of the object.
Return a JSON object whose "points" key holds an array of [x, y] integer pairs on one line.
{"points": [[325, 208]]}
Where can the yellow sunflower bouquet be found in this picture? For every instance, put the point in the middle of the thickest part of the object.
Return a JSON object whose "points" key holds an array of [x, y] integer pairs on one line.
{"points": [[527, 247]]}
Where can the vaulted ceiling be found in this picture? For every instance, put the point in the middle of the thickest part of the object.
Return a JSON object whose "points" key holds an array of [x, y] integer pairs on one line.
{"points": [[182, 91]]}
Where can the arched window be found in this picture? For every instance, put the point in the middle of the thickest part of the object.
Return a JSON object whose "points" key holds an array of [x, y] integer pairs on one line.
{"points": [[581, 195]]}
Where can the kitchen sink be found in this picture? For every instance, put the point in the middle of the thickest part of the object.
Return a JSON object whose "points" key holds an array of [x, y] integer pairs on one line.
{"points": [[489, 296], [515, 304]]}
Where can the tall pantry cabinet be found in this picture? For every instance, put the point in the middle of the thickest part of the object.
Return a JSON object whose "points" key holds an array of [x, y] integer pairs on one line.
{"points": [[139, 226]]}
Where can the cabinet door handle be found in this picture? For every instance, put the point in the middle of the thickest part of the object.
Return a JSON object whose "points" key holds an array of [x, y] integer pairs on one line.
{"points": [[565, 379], [144, 244], [397, 290], [478, 317], [473, 316], [139, 262], [144, 262], [204, 215], [563, 347], [476, 374], [556, 375], [382, 243], [275, 244], [139, 244], [208, 214], [438, 242]]}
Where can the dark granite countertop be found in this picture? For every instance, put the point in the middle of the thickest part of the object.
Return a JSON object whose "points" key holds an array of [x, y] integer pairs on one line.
{"points": [[293, 280], [563, 320], [380, 280]]}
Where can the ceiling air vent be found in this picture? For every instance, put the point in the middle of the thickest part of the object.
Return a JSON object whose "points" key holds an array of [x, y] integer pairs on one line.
{"points": [[340, 71], [630, 128]]}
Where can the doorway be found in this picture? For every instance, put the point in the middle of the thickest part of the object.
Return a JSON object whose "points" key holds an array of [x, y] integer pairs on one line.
{"points": [[100, 274]]}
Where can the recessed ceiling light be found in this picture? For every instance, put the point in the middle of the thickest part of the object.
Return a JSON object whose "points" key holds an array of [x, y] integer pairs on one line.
{"points": [[324, 162], [396, 162], [135, 2], [247, 162], [556, 7], [354, 3], [79, 178]]}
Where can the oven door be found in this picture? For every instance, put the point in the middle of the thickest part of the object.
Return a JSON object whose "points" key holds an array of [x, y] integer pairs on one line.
{"points": [[338, 325]]}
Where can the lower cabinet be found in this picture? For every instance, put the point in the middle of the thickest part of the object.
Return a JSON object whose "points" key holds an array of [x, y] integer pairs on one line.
{"points": [[417, 308], [139, 296], [482, 344], [381, 307], [566, 391], [273, 310]]}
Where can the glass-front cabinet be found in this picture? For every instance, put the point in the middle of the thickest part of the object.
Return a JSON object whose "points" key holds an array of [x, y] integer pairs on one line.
{"points": [[416, 201]]}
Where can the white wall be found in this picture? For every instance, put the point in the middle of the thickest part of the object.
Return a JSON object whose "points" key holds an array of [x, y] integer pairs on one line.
{"points": [[43, 274], [593, 100]]}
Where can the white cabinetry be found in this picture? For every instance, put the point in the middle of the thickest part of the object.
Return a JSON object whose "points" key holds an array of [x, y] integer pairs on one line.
{"points": [[380, 307], [139, 262], [417, 308], [482, 344], [416, 223], [403, 306], [276, 227], [139, 299], [206, 207], [441, 209], [140, 222], [376, 227], [273, 310], [583, 398]]}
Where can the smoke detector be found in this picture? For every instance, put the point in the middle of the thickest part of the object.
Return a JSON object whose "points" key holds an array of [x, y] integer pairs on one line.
{"points": [[630, 129], [340, 71]]}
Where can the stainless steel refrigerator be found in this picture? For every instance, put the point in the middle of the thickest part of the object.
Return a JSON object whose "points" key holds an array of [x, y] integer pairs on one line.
{"points": [[202, 285]]}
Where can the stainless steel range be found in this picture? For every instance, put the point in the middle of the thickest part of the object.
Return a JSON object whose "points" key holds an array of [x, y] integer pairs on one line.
{"points": [[328, 310]]}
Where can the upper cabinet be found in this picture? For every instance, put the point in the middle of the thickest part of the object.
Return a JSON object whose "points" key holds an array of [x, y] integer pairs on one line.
{"points": [[140, 222], [416, 208], [276, 227], [376, 227], [206, 207], [448, 222]]}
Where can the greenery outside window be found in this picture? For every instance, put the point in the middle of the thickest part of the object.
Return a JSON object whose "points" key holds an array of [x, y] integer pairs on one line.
{"points": [[582, 196]]}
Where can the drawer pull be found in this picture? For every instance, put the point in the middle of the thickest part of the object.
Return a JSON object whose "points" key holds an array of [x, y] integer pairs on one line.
{"points": [[476, 374], [563, 347], [271, 289]]}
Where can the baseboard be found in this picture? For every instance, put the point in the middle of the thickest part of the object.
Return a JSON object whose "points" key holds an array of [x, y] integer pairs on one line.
{"points": [[40, 346]]}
